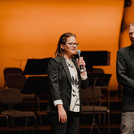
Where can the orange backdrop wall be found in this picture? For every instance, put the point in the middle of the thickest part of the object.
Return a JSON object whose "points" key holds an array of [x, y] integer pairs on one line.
{"points": [[31, 28]]}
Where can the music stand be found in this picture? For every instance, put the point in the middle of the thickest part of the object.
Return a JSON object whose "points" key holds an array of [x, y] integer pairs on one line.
{"points": [[100, 81], [36, 83], [36, 66]]}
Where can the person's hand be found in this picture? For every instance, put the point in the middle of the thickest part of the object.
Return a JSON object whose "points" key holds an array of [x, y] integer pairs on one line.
{"points": [[80, 61], [62, 114]]}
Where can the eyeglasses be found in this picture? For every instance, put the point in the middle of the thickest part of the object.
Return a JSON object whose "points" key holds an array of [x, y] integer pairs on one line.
{"points": [[73, 44]]}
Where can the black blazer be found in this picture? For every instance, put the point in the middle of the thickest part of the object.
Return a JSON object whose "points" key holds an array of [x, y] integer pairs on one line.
{"points": [[125, 76], [60, 82]]}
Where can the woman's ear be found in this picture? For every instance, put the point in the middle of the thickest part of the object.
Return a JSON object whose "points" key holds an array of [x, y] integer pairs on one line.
{"points": [[62, 46]]}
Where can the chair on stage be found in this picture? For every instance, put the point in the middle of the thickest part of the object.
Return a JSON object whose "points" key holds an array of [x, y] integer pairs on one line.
{"points": [[12, 100], [92, 101], [14, 78], [2, 117], [11, 70]]}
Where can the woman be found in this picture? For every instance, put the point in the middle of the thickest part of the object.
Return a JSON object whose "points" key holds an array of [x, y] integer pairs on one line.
{"points": [[65, 81]]}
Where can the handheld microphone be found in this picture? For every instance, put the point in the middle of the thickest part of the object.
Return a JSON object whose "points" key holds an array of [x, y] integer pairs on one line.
{"points": [[81, 67]]}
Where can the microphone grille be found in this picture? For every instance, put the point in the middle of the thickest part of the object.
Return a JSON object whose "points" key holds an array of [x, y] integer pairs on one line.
{"points": [[78, 52]]}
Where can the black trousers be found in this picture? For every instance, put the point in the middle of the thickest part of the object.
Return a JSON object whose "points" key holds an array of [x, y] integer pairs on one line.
{"points": [[69, 127]]}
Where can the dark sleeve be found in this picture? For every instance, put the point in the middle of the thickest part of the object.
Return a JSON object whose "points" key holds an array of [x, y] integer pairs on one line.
{"points": [[121, 73], [53, 73], [84, 83]]}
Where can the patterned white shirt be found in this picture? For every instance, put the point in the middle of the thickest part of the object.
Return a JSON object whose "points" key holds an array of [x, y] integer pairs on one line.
{"points": [[75, 100]]}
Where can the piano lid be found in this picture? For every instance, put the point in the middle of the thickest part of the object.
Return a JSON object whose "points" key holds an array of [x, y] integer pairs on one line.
{"points": [[96, 58]]}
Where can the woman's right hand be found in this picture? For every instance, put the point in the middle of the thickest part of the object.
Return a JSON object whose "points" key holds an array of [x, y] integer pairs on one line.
{"points": [[62, 113]]}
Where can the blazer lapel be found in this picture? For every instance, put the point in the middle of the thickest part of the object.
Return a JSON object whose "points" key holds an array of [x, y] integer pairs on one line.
{"points": [[131, 53], [77, 67], [66, 69]]}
